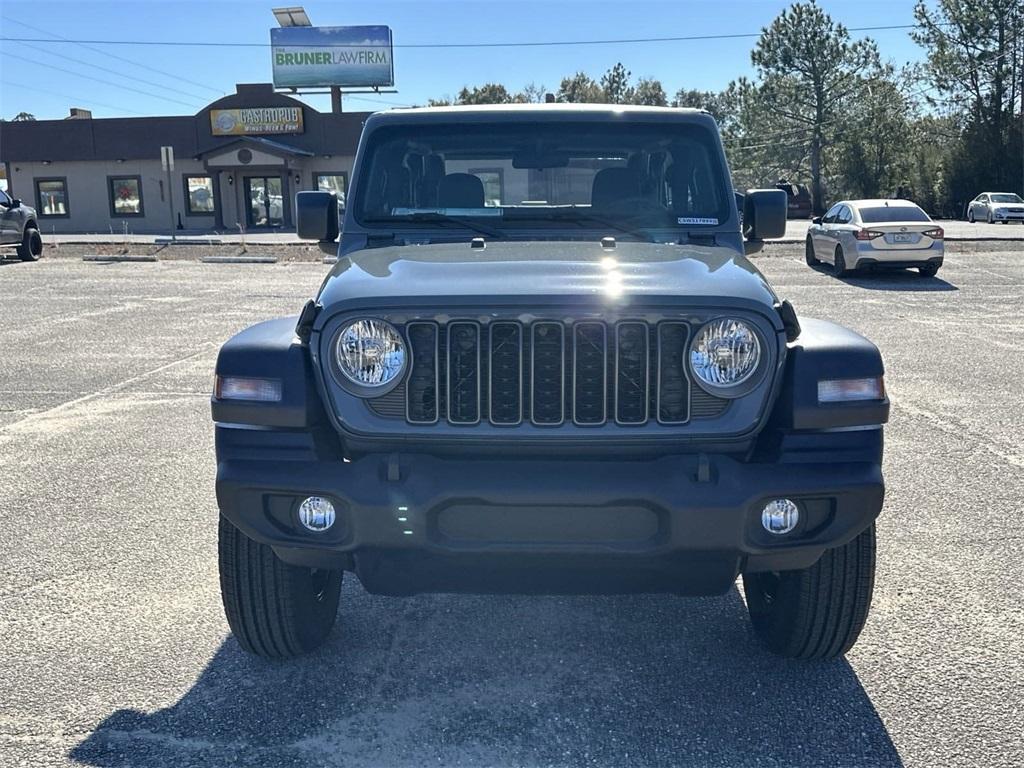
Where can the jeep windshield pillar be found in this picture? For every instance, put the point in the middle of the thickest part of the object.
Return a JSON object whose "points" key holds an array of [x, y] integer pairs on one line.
{"points": [[543, 365]]}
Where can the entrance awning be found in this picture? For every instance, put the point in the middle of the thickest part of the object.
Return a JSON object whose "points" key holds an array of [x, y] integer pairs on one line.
{"points": [[251, 150]]}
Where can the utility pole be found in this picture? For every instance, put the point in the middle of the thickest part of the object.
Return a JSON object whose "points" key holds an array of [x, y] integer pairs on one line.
{"points": [[167, 161]]}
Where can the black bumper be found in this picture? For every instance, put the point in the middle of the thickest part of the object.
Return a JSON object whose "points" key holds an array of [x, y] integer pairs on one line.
{"points": [[684, 523], [867, 263]]}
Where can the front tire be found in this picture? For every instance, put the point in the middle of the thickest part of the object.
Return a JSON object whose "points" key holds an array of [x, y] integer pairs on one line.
{"points": [[816, 612], [809, 257], [275, 610], [31, 247]]}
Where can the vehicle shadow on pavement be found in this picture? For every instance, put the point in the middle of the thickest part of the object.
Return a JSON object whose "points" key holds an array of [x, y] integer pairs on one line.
{"points": [[907, 280], [445, 679]]}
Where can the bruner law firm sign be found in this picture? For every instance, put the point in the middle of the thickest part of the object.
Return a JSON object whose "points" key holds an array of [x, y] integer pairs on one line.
{"points": [[253, 121], [354, 57]]}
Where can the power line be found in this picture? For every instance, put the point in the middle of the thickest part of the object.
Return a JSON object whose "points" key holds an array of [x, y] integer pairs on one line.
{"points": [[199, 99], [784, 133], [516, 44], [348, 96], [119, 86], [77, 99], [81, 44]]}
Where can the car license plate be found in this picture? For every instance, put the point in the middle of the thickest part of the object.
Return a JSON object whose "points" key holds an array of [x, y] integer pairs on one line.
{"points": [[903, 238]]}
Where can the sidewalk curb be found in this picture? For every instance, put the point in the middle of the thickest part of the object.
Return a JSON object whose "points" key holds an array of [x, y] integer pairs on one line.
{"points": [[239, 259], [189, 241], [118, 258]]}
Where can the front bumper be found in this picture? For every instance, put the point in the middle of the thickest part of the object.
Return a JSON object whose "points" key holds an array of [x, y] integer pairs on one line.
{"points": [[683, 523], [1007, 216]]}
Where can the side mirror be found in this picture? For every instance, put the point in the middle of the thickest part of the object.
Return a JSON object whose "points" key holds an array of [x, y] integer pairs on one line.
{"points": [[15, 202], [764, 214], [316, 216], [816, 220]]}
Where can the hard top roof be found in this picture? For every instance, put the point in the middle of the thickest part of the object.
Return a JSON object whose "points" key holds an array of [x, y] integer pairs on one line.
{"points": [[541, 112]]}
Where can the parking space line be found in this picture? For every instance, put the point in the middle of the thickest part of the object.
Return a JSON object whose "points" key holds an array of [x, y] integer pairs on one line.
{"points": [[205, 347]]}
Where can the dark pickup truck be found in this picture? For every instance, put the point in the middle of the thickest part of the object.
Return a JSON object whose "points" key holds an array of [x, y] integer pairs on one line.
{"points": [[18, 228], [544, 364]]}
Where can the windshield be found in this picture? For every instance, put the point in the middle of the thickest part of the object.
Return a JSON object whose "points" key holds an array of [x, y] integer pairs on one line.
{"points": [[1006, 198], [628, 177], [887, 213]]}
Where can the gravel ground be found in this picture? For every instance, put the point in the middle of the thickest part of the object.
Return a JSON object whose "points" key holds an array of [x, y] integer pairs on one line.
{"points": [[116, 652], [296, 251]]}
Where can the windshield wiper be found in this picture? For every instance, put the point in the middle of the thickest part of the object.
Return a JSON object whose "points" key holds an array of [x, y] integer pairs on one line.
{"points": [[442, 218], [575, 216]]}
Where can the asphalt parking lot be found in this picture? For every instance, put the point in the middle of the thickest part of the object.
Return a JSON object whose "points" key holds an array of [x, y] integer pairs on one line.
{"points": [[116, 653]]}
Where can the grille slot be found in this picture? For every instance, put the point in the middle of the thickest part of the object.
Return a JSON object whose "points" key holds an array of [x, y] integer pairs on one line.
{"points": [[547, 372], [589, 374], [505, 385], [463, 373], [421, 386], [632, 363], [673, 386]]}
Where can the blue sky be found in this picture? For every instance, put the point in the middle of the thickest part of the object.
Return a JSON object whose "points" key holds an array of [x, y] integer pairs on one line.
{"points": [[47, 79]]}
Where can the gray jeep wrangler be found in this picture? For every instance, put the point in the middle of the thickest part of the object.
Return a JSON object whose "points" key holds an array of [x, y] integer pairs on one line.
{"points": [[544, 364]]}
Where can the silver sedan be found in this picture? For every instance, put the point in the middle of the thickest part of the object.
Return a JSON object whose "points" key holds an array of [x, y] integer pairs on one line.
{"points": [[875, 234], [1003, 207]]}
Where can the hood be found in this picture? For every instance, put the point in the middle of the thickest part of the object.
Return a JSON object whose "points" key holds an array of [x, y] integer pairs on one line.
{"points": [[516, 272]]}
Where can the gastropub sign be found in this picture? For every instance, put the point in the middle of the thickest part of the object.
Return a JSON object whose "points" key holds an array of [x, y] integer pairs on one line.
{"points": [[253, 121]]}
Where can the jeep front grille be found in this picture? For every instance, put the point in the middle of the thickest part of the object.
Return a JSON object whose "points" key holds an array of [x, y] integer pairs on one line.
{"points": [[548, 373]]}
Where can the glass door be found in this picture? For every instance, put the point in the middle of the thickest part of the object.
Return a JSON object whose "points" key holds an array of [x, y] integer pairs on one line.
{"points": [[266, 201]]}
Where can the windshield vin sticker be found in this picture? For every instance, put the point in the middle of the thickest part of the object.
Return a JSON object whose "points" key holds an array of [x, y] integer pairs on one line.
{"points": [[691, 220]]}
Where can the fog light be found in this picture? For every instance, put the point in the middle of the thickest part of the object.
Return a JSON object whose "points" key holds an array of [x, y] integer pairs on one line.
{"points": [[317, 513], [780, 516]]}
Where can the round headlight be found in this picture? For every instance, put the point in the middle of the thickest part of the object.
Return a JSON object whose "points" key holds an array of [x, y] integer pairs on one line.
{"points": [[370, 353], [724, 353]]}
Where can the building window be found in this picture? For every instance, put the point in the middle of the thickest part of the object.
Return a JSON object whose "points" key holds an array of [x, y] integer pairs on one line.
{"points": [[493, 180], [199, 198], [333, 182], [125, 195], [52, 197]]}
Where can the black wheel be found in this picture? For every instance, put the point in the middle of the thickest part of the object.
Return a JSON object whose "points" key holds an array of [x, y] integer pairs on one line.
{"points": [[817, 612], [809, 257], [928, 270], [970, 216], [989, 218], [839, 267], [31, 247], [274, 609]]}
